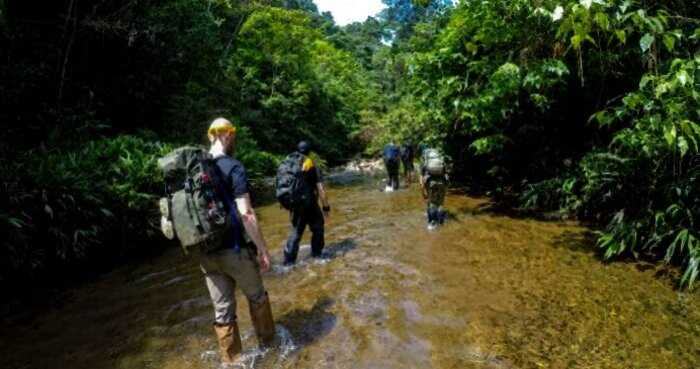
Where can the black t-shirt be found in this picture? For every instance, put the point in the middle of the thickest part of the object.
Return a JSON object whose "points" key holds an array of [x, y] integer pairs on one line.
{"points": [[234, 176], [312, 174], [236, 183]]}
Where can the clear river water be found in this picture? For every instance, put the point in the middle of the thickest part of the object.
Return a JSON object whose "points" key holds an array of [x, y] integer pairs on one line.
{"points": [[487, 290]]}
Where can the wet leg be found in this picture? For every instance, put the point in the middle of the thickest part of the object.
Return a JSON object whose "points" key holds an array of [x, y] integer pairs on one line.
{"points": [[316, 224], [296, 231]]}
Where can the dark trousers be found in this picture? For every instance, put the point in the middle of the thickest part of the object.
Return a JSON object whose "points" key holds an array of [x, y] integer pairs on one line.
{"points": [[407, 166], [392, 168], [313, 217], [435, 214]]}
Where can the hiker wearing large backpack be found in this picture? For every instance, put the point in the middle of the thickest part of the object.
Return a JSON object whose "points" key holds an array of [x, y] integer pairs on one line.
{"points": [[433, 182], [212, 216], [299, 187], [392, 158]]}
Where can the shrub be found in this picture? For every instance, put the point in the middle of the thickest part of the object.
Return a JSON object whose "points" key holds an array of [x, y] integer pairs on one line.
{"points": [[66, 204]]}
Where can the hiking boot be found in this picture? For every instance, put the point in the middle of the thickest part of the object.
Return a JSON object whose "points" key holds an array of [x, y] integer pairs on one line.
{"points": [[261, 315], [289, 260], [320, 255], [442, 216], [229, 342]]}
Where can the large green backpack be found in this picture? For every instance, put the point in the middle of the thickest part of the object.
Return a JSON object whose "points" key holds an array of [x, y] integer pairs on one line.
{"points": [[434, 162], [196, 202]]}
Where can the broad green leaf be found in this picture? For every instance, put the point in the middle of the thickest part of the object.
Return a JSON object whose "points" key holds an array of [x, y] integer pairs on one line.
{"points": [[602, 20], [661, 89], [682, 146], [625, 5], [669, 42], [645, 42], [603, 118], [676, 62], [682, 77], [621, 35], [15, 222], [690, 130], [590, 39], [670, 135], [576, 41]]}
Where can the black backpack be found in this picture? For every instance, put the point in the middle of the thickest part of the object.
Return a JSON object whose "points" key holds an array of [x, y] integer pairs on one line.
{"points": [[291, 189]]}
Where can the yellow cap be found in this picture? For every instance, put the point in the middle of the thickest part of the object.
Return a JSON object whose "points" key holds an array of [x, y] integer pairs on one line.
{"points": [[220, 126]]}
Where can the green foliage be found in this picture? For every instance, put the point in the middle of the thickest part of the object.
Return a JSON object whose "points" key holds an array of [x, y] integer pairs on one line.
{"points": [[404, 122], [646, 186], [552, 194], [66, 205], [363, 40], [258, 163], [590, 107], [295, 85], [168, 68], [661, 146]]}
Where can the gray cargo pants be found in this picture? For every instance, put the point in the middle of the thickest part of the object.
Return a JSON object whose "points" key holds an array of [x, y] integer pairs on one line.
{"points": [[224, 269]]}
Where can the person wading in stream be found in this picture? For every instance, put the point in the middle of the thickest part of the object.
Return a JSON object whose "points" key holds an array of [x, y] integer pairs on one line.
{"points": [[299, 187], [433, 182], [232, 264], [392, 158]]}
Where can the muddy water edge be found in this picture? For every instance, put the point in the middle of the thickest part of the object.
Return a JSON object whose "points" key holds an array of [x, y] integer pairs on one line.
{"points": [[485, 291]]}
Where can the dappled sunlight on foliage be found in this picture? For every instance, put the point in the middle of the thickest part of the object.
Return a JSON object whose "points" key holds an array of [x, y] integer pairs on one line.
{"points": [[133, 80], [587, 107]]}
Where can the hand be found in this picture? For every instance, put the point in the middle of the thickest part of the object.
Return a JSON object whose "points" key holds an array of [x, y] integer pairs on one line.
{"points": [[326, 214], [264, 260]]}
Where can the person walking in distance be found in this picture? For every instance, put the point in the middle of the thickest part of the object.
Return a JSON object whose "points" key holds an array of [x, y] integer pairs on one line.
{"points": [[407, 157], [433, 182], [392, 157], [305, 210]]}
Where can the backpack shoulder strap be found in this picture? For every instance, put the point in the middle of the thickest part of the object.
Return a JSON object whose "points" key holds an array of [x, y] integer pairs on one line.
{"points": [[220, 184]]}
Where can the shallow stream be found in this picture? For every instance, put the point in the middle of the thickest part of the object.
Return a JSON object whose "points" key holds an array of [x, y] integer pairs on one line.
{"points": [[484, 291]]}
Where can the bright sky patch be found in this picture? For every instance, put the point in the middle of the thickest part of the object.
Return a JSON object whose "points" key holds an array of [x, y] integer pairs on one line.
{"points": [[348, 11]]}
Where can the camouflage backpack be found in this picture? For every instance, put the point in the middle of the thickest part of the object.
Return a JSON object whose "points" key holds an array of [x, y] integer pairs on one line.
{"points": [[196, 206], [434, 162]]}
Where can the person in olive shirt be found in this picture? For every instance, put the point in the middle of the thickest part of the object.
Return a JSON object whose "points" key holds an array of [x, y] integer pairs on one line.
{"points": [[240, 258], [312, 215]]}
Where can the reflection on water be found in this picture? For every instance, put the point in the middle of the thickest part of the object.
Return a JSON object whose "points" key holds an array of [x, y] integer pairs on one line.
{"points": [[484, 291]]}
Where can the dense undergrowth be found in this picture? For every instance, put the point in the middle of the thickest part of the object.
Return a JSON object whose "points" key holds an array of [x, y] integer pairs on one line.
{"points": [[589, 107], [94, 92]]}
